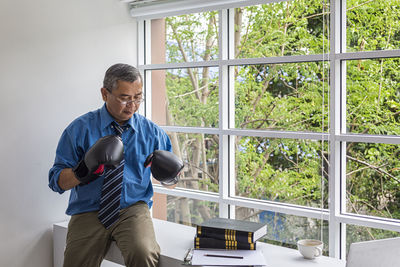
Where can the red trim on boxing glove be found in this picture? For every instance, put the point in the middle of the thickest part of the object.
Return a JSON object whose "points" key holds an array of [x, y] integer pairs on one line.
{"points": [[99, 170], [148, 161]]}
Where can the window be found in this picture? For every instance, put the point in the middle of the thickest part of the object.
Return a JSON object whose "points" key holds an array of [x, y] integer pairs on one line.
{"points": [[284, 229], [286, 112]]}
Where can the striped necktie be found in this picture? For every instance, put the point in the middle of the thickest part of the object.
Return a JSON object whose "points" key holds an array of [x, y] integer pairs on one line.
{"points": [[111, 190]]}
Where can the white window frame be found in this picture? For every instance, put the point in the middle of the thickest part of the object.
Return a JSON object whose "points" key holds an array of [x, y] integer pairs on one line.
{"points": [[337, 137]]}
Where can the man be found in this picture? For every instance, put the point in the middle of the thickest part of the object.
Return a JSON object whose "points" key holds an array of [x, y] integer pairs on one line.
{"points": [[90, 147]]}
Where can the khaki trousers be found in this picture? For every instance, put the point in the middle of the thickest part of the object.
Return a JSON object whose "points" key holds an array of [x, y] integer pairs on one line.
{"points": [[88, 241]]}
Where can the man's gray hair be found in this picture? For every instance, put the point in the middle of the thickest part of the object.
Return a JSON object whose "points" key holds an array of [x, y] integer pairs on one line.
{"points": [[120, 72]]}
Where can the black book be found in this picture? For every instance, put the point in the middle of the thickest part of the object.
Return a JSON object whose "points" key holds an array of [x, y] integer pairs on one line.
{"points": [[230, 229], [208, 242]]}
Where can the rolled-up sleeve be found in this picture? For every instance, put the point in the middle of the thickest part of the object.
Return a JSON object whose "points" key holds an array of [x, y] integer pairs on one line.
{"points": [[163, 141], [66, 157]]}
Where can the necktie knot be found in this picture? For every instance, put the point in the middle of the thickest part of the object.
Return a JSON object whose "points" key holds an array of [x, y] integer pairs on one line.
{"points": [[118, 128]]}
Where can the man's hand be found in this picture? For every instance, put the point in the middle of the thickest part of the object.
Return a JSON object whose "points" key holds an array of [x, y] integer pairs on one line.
{"points": [[108, 151], [165, 166]]}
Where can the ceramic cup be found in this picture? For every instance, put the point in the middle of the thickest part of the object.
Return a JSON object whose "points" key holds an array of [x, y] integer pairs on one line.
{"points": [[310, 248]]}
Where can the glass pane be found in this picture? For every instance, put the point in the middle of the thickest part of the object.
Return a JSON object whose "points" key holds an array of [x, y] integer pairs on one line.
{"points": [[373, 183], [373, 96], [285, 230], [185, 38], [185, 97], [282, 29], [199, 153], [284, 170], [183, 210], [292, 97], [356, 233], [373, 25]]}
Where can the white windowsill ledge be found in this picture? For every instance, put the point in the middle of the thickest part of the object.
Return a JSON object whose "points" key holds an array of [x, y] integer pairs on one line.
{"points": [[174, 239]]}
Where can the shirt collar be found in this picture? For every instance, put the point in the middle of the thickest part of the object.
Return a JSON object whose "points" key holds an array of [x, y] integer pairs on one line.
{"points": [[107, 119]]}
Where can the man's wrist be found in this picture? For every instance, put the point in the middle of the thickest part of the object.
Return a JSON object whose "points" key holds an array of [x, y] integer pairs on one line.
{"points": [[67, 179]]}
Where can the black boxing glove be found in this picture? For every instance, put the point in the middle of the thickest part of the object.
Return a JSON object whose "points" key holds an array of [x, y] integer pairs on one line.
{"points": [[165, 166], [107, 151]]}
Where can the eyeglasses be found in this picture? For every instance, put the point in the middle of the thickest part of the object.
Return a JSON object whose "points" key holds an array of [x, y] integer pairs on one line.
{"points": [[137, 100]]}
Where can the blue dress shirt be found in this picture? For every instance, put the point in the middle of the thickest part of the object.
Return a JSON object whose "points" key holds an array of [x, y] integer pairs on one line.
{"points": [[142, 138]]}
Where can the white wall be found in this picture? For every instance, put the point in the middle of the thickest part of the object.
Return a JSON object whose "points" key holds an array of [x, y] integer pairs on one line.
{"points": [[53, 55]]}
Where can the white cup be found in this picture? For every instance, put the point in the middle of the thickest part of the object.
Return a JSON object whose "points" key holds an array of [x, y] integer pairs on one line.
{"points": [[310, 248]]}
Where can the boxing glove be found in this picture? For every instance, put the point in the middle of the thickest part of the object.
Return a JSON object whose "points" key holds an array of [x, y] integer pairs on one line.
{"points": [[108, 151], [165, 166]]}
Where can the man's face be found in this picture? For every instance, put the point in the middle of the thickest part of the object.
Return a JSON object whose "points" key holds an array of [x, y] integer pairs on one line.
{"points": [[124, 100]]}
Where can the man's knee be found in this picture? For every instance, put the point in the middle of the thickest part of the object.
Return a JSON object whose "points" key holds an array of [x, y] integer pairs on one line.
{"points": [[81, 253], [142, 254]]}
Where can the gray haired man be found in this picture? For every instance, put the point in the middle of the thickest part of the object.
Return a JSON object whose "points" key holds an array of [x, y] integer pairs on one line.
{"points": [[88, 239]]}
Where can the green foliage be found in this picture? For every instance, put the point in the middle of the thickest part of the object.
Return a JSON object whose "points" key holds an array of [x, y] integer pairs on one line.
{"points": [[187, 37], [186, 102], [286, 28], [373, 88], [282, 97], [283, 170], [373, 25]]}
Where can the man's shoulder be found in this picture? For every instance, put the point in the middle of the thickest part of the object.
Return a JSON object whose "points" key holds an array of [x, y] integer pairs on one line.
{"points": [[85, 120]]}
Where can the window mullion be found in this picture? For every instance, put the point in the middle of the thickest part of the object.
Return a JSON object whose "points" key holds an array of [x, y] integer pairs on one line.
{"points": [[343, 125], [224, 152], [335, 146], [231, 107]]}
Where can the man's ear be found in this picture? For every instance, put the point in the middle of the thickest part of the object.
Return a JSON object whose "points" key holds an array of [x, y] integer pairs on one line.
{"points": [[104, 94]]}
